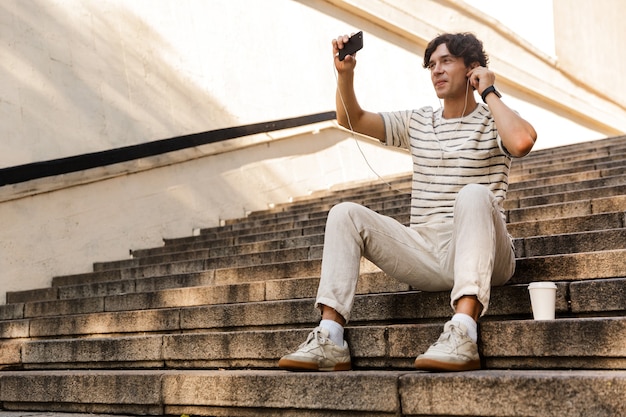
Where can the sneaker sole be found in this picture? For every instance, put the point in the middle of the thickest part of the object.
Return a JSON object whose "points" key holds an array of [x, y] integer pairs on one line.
{"points": [[426, 364], [291, 365]]}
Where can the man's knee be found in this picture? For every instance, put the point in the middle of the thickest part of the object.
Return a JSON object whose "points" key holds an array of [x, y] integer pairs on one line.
{"points": [[473, 196], [342, 211], [473, 191]]}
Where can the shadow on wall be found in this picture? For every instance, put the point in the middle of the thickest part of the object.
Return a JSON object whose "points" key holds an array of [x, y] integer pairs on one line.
{"points": [[80, 77]]}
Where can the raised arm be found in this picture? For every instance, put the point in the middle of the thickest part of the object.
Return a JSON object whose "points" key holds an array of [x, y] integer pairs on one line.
{"points": [[349, 113], [518, 136]]}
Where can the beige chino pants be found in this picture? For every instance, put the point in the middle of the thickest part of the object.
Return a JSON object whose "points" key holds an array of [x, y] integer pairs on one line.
{"points": [[467, 256]]}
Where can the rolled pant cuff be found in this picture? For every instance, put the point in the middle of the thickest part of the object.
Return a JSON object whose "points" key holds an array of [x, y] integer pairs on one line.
{"points": [[470, 290], [329, 302]]}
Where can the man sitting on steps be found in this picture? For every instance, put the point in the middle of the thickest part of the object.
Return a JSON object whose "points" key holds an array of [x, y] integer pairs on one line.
{"points": [[457, 239]]}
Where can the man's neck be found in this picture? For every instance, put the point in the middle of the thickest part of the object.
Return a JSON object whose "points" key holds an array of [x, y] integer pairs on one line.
{"points": [[453, 109]]}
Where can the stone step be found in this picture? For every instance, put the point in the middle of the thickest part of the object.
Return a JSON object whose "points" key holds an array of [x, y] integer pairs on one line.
{"points": [[315, 215], [210, 249], [194, 261], [358, 193], [163, 273], [292, 238], [567, 196], [241, 255], [612, 299], [258, 234], [150, 298], [320, 210], [307, 206], [575, 266], [255, 234], [157, 269], [275, 250], [555, 344], [594, 241], [401, 214], [528, 161], [311, 266], [567, 154], [568, 209], [579, 163], [183, 297], [114, 286], [221, 248], [511, 393], [233, 255], [565, 179], [580, 150], [316, 209], [246, 393], [565, 343], [568, 225], [608, 165], [572, 157], [577, 186], [260, 309], [253, 227], [316, 212], [181, 255]]}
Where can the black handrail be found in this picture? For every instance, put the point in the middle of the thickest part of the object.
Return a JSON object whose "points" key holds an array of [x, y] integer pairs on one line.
{"points": [[35, 170]]}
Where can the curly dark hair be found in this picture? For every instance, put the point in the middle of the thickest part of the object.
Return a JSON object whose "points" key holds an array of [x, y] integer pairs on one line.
{"points": [[462, 45]]}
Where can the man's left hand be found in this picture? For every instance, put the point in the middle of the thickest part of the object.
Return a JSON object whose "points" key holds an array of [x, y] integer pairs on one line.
{"points": [[480, 78]]}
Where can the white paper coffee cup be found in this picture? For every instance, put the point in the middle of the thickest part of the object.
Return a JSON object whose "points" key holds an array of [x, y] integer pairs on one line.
{"points": [[542, 299]]}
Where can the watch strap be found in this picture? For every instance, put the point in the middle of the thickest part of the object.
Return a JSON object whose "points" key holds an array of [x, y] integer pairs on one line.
{"points": [[489, 90]]}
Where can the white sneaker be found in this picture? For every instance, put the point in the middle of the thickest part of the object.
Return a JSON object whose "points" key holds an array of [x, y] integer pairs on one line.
{"points": [[454, 351], [318, 353]]}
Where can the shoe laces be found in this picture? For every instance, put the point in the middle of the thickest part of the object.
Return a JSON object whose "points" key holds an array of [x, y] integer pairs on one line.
{"points": [[452, 334], [316, 336]]}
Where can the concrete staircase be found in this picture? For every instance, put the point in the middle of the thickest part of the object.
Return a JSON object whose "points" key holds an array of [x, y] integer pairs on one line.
{"points": [[196, 326]]}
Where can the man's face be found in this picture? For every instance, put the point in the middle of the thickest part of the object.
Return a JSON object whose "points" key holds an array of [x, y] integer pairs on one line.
{"points": [[447, 73]]}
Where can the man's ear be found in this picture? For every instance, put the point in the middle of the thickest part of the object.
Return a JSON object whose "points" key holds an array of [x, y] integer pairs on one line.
{"points": [[472, 66]]}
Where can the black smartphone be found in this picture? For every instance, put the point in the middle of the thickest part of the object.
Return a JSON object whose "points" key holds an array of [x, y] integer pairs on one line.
{"points": [[354, 44]]}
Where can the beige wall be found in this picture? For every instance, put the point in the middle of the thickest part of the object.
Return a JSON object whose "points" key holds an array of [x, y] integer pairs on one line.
{"points": [[83, 76], [589, 44]]}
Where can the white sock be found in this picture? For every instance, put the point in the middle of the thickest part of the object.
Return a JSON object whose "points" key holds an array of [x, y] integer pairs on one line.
{"points": [[335, 331], [472, 327]]}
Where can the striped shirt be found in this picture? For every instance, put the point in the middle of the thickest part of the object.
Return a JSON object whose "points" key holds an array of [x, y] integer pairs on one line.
{"points": [[447, 155]]}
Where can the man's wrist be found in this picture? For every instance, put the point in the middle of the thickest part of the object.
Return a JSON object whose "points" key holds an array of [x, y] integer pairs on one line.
{"points": [[489, 90]]}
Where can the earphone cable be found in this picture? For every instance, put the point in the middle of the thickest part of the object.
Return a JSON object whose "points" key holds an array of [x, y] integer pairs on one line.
{"points": [[345, 109]]}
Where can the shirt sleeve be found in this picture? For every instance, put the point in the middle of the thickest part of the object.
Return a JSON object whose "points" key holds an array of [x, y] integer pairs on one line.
{"points": [[397, 128], [502, 147], [499, 139]]}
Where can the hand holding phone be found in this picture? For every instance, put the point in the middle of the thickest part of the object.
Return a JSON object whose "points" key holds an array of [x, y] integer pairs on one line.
{"points": [[354, 44]]}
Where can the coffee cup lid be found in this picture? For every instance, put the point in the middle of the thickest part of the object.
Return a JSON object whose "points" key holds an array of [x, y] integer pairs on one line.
{"points": [[543, 284]]}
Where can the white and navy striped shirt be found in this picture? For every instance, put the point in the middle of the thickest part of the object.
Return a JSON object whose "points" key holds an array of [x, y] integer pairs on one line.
{"points": [[447, 155]]}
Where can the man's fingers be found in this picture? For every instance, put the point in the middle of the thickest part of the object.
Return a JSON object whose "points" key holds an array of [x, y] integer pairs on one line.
{"points": [[341, 41]]}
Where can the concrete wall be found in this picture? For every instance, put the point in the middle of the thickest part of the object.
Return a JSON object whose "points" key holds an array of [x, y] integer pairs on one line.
{"points": [[589, 44], [83, 76]]}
